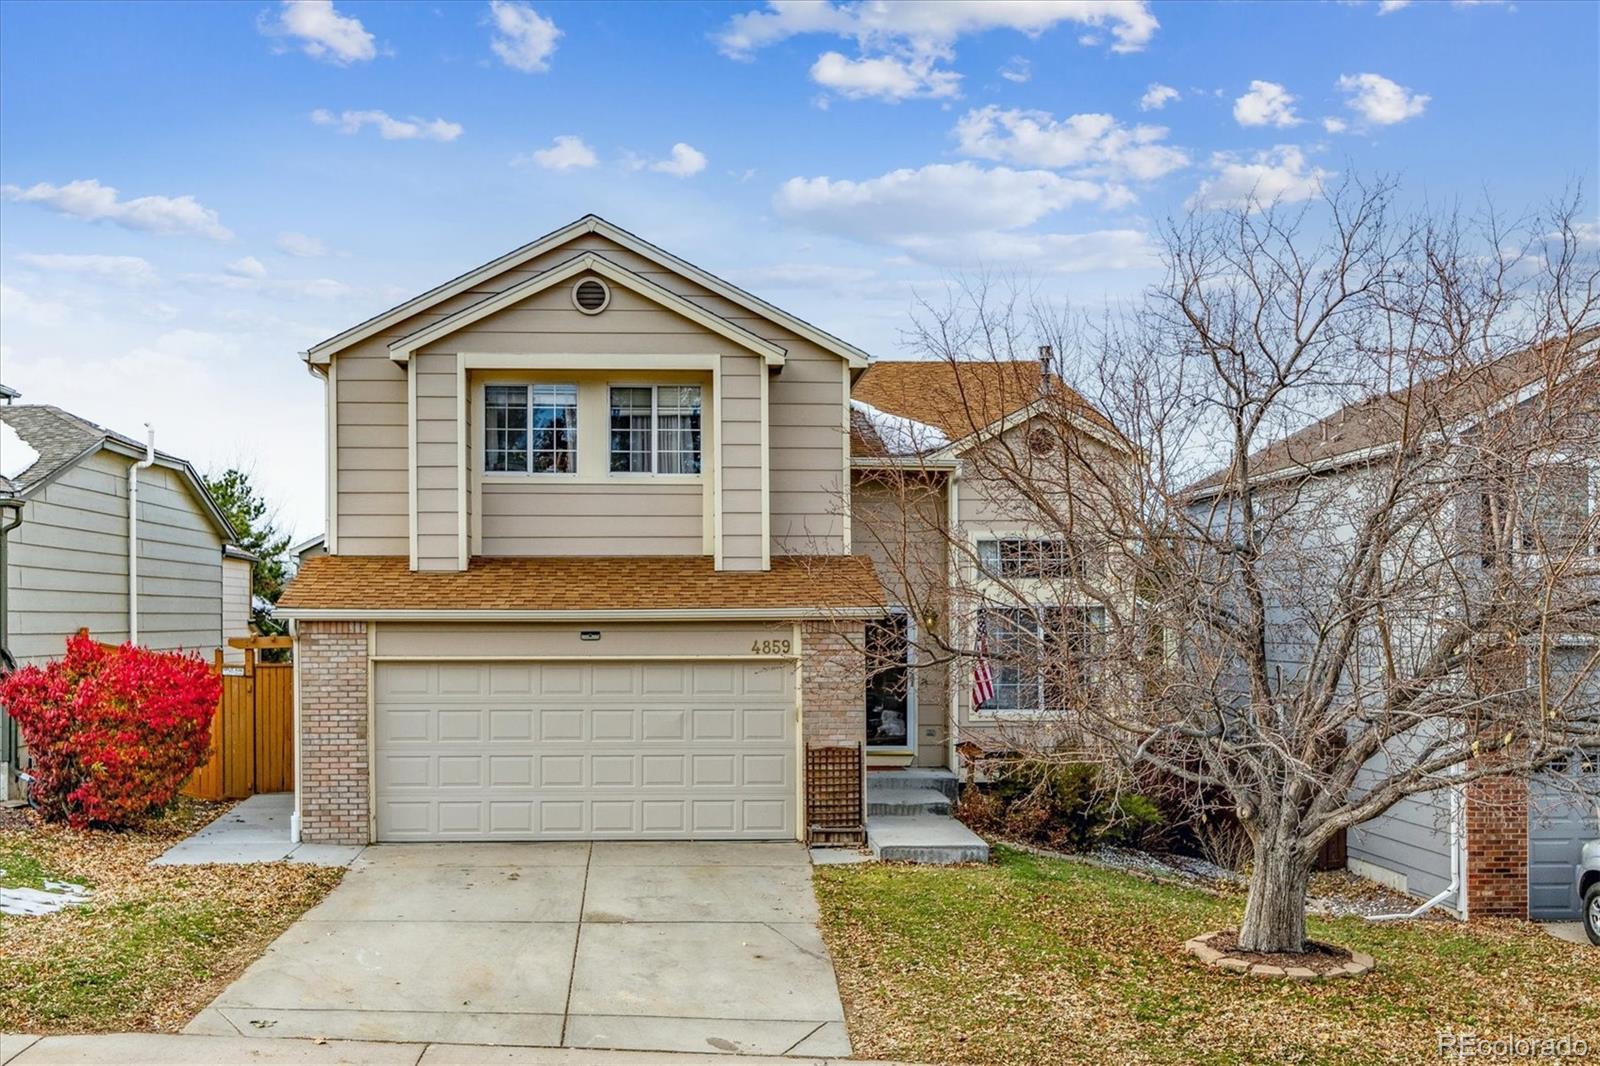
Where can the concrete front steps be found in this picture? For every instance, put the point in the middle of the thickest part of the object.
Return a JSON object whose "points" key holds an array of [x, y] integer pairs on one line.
{"points": [[908, 819]]}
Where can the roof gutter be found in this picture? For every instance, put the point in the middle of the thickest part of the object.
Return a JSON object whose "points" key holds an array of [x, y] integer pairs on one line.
{"points": [[723, 614]]}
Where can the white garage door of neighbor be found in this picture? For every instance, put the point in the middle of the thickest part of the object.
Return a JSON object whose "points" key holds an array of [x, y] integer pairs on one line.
{"points": [[574, 751]]}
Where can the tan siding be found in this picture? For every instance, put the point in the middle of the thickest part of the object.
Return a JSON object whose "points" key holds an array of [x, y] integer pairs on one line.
{"points": [[68, 563], [373, 500], [808, 445], [468, 641], [644, 518], [743, 536], [438, 451]]}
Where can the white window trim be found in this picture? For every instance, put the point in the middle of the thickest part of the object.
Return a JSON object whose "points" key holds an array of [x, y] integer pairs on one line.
{"points": [[1556, 458], [1037, 711], [529, 474], [655, 428], [911, 685]]}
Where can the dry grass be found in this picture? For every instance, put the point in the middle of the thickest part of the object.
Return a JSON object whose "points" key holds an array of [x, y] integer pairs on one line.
{"points": [[1038, 960], [154, 944]]}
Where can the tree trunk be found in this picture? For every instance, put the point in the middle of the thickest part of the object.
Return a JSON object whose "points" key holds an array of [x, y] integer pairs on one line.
{"points": [[1275, 910]]}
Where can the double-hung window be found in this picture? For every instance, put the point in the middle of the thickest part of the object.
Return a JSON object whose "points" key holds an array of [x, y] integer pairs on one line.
{"points": [[1038, 655], [530, 429], [1009, 558], [655, 429]]}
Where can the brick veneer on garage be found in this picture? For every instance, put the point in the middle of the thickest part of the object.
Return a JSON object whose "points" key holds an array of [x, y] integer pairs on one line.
{"points": [[1497, 848], [833, 683], [332, 662]]}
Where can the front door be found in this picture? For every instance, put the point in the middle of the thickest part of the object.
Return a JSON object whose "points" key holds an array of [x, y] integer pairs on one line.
{"points": [[891, 684]]}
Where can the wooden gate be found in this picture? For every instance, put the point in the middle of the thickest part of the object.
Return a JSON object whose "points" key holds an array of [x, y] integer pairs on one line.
{"points": [[252, 733]]}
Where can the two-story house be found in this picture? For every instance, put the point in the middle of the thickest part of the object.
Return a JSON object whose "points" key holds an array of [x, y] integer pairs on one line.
{"points": [[589, 568]]}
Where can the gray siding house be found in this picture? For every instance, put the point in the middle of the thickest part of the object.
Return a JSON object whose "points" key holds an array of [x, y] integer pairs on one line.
{"points": [[66, 565]]}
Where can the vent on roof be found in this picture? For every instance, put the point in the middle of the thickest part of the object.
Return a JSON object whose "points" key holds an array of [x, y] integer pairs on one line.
{"points": [[591, 295]]}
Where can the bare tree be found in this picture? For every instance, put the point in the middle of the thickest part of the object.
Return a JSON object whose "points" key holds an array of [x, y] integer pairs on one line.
{"points": [[1351, 552]]}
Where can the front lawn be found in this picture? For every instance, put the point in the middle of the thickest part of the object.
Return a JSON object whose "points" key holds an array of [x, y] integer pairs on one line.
{"points": [[1038, 960], [152, 945]]}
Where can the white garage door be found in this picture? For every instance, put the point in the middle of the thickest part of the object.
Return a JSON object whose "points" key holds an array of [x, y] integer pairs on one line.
{"points": [[562, 751]]}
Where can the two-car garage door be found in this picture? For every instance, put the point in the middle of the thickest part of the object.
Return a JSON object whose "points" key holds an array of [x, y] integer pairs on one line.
{"points": [[574, 750]]}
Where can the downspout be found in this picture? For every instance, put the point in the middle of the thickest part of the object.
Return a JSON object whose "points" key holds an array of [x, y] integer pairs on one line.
{"points": [[953, 685], [1455, 868], [133, 531], [10, 518], [294, 657]]}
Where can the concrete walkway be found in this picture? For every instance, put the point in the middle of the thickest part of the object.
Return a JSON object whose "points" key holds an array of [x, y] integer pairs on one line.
{"points": [[161, 1049], [255, 830], [639, 946]]}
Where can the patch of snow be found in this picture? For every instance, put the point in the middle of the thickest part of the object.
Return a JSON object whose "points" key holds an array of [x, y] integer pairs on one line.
{"points": [[901, 435], [16, 455], [31, 902]]}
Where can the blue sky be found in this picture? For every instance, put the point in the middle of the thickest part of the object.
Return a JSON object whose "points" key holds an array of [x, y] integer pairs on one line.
{"points": [[283, 170]]}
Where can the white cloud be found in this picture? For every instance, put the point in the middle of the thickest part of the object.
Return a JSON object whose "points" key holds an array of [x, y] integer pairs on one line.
{"points": [[323, 33], [1379, 100], [129, 271], [930, 206], [17, 306], [239, 277], [1278, 175], [884, 77], [248, 267], [1095, 143], [1386, 7], [300, 245], [389, 128], [1266, 104], [684, 162], [1158, 96], [566, 152], [931, 27], [1334, 125], [1017, 69], [523, 39], [88, 199]]}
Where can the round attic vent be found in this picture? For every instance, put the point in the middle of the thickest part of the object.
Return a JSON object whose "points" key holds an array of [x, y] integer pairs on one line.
{"points": [[591, 295]]}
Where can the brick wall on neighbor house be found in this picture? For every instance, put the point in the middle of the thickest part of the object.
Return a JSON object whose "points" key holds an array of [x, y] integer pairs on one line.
{"points": [[1497, 848], [332, 660], [833, 684]]}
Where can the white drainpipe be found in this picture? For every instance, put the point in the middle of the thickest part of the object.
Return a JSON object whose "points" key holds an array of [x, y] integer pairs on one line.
{"points": [[133, 532], [1455, 868]]}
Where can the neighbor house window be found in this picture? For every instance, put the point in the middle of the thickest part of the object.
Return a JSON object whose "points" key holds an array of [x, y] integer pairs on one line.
{"points": [[1037, 655], [1029, 557], [530, 429], [655, 429], [1557, 499]]}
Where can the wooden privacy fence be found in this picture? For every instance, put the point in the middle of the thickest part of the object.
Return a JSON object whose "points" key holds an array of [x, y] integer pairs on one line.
{"points": [[252, 734]]}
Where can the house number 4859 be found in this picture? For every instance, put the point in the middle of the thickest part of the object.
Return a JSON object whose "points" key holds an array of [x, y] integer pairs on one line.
{"points": [[771, 647]]}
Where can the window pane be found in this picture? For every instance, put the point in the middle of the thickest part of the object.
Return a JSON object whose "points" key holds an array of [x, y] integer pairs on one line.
{"points": [[553, 429], [678, 436], [630, 431], [1555, 506], [505, 428]]}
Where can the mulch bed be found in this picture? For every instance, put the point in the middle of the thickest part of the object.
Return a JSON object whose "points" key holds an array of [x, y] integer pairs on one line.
{"points": [[1323, 958]]}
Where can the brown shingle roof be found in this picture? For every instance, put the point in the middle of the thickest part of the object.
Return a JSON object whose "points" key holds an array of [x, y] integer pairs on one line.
{"points": [[1353, 431], [803, 584], [957, 398]]}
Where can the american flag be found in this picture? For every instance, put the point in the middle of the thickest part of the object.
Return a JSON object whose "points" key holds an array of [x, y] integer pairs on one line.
{"points": [[982, 677]]}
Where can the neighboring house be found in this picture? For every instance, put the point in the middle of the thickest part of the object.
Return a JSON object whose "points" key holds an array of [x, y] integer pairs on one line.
{"points": [[918, 432], [1502, 847], [67, 564]]}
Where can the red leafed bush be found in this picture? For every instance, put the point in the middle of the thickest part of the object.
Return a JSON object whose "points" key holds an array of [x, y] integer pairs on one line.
{"points": [[113, 731]]}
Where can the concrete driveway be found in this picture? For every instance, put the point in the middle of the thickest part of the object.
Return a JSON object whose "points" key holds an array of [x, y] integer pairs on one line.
{"points": [[643, 946]]}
